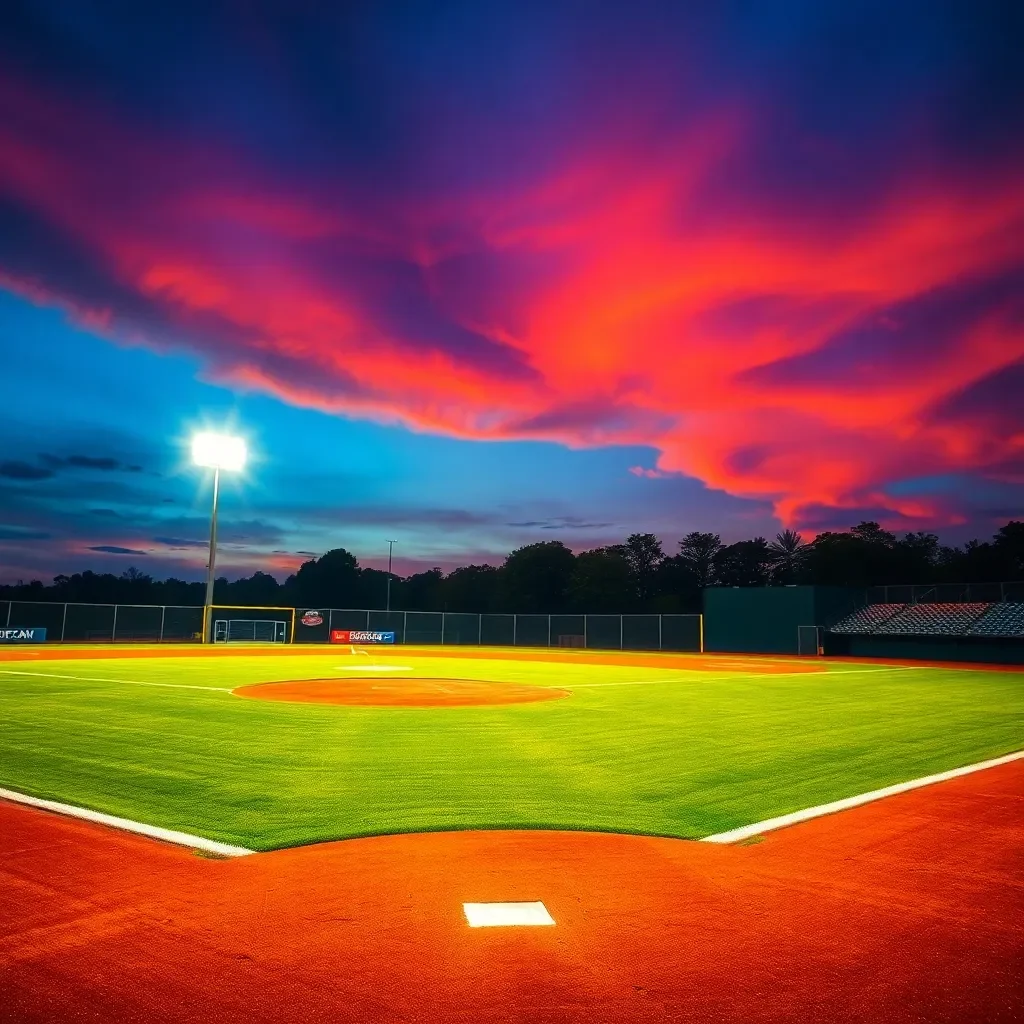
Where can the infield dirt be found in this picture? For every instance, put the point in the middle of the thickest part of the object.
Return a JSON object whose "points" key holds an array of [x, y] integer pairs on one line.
{"points": [[910, 909]]}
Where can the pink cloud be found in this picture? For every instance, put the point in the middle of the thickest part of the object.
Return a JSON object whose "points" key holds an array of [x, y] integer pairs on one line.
{"points": [[772, 354]]}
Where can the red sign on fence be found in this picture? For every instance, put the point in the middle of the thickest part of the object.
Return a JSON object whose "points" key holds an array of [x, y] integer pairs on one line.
{"points": [[360, 636]]}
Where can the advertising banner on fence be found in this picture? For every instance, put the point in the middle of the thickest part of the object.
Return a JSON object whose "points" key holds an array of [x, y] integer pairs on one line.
{"points": [[312, 625], [23, 635], [360, 636]]}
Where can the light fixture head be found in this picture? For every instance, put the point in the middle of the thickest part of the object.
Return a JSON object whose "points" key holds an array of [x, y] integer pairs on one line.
{"points": [[218, 451]]}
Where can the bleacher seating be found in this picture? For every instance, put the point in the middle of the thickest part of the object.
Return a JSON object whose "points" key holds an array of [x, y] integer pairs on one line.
{"points": [[975, 618], [868, 618], [1003, 619], [939, 619]]}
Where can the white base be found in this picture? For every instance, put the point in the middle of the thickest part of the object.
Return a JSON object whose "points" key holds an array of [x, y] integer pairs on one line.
{"points": [[496, 915]]}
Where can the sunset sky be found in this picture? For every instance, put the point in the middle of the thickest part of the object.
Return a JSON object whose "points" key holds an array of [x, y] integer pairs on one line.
{"points": [[474, 274]]}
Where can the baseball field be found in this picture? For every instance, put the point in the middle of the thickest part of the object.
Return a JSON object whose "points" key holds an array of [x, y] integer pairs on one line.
{"points": [[267, 750], [384, 792]]}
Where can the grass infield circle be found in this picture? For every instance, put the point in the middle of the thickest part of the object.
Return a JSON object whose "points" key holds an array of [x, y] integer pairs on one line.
{"points": [[420, 692]]}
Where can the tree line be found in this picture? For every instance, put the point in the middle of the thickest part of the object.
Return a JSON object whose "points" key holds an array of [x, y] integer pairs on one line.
{"points": [[635, 576]]}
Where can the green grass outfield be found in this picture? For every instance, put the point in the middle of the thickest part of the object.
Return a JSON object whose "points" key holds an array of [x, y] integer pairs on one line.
{"points": [[688, 753]]}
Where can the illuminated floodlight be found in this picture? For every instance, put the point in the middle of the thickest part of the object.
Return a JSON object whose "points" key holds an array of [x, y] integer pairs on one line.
{"points": [[215, 451], [218, 451], [497, 915]]}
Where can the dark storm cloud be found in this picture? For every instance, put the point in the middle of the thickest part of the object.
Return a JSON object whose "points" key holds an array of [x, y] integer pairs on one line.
{"points": [[180, 543], [102, 463], [15, 469], [113, 549], [560, 523]]}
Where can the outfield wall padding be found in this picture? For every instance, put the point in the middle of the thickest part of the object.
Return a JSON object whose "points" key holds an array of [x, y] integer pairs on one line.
{"points": [[765, 620]]}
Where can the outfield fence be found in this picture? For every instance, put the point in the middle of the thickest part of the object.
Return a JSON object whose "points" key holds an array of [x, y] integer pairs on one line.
{"points": [[128, 623]]}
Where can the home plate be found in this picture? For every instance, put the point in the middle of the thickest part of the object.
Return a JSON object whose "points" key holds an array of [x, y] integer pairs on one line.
{"points": [[493, 915]]}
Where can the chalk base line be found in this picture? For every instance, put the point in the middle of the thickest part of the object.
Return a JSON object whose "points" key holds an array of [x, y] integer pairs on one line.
{"points": [[769, 825], [127, 825]]}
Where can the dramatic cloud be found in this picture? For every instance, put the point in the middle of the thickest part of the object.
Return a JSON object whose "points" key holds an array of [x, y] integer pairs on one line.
{"points": [[113, 549], [17, 470], [102, 463], [790, 259]]}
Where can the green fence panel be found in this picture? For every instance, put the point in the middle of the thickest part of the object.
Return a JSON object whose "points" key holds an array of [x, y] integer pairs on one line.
{"points": [[424, 628], [604, 632], [497, 630]]}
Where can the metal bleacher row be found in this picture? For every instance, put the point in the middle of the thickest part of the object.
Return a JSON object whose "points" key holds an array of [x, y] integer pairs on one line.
{"points": [[1003, 618]]}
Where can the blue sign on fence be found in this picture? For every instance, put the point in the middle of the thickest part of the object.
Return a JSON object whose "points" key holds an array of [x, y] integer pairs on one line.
{"points": [[23, 635]]}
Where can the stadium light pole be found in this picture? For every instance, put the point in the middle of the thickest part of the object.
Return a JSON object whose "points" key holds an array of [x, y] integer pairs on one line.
{"points": [[216, 452], [391, 548]]}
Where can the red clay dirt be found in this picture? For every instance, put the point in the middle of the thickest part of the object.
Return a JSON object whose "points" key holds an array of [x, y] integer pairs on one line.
{"points": [[400, 692], [750, 664], [905, 910]]}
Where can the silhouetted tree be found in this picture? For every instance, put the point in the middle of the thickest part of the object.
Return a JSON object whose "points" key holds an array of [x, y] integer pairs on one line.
{"points": [[420, 592], [332, 580], [699, 552], [473, 588], [536, 577], [789, 557], [1009, 546], [747, 563], [859, 557], [259, 588], [547, 577], [643, 554], [601, 580]]}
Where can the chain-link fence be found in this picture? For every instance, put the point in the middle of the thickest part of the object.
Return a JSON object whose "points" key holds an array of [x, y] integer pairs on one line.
{"points": [[112, 623], [126, 623], [616, 632]]}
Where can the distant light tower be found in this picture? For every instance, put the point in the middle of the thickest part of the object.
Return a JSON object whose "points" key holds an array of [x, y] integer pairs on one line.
{"points": [[216, 452], [391, 548]]}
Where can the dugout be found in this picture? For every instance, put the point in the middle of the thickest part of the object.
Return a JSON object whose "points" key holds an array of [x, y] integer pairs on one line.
{"points": [[772, 620]]}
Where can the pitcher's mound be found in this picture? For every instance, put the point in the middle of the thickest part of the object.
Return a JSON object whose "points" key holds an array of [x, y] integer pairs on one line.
{"points": [[417, 693]]}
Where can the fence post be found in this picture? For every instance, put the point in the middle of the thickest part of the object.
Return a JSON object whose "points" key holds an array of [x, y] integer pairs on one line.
{"points": [[620, 632], [405, 627], [661, 646], [10, 605], [585, 617], [479, 629], [549, 631], [163, 617], [63, 621], [113, 627], [515, 629]]}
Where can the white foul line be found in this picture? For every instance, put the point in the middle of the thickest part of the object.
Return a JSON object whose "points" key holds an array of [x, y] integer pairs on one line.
{"points": [[747, 831], [101, 679], [712, 676], [125, 824]]}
